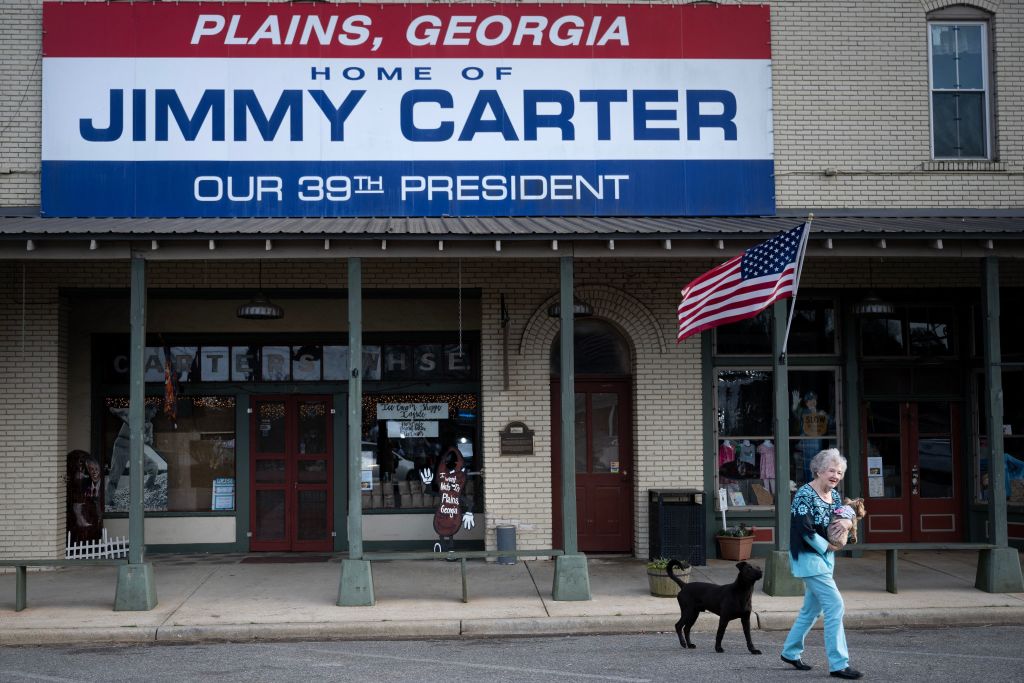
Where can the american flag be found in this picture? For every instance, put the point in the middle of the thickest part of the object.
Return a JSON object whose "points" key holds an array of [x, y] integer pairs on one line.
{"points": [[744, 285]]}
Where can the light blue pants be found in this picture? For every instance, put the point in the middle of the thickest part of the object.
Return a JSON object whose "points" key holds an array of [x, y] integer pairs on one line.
{"points": [[820, 595]]}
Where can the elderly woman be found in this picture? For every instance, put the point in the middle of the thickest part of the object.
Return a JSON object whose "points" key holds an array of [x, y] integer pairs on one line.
{"points": [[812, 559]]}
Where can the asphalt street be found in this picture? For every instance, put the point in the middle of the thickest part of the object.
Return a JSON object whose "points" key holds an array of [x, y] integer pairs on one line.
{"points": [[947, 654]]}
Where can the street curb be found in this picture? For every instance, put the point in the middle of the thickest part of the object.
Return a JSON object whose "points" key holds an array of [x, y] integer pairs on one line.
{"points": [[77, 636], [324, 630], [492, 628], [923, 617], [927, 617]]}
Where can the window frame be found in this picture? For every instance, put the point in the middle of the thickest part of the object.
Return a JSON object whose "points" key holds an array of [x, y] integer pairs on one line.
{"points": [[978, 496], [986, 89], [833, 302]]}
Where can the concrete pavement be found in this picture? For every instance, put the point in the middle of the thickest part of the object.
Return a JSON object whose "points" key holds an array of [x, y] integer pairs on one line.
{"points": [[258, 597]]}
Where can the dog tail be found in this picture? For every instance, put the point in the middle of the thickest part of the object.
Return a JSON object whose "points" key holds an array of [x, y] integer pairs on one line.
{"points": [[681, 565]]}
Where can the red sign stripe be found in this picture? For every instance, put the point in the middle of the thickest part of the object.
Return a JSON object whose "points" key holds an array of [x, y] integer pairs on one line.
{"points": [[167, 30]]}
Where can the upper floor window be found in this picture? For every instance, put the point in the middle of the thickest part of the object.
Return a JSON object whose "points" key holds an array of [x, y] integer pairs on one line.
{"points": [[959, 78]]}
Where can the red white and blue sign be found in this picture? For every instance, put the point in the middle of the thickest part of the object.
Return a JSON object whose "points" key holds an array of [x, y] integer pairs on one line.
{"points": [[203, 109]]}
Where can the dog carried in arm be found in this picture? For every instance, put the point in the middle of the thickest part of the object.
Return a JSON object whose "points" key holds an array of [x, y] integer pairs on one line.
{"points": [[843, 527], [731, 601]]}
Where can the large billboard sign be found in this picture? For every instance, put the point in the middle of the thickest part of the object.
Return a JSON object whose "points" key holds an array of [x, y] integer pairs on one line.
{"points": [[230, 109]]}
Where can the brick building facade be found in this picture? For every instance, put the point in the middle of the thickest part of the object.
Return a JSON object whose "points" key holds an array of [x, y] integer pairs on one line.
{"points": [[852, 139]]}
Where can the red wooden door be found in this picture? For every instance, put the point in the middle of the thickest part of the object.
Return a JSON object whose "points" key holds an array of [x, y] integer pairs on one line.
{"points": [[291, 473], [604, 465], [912, 458]]}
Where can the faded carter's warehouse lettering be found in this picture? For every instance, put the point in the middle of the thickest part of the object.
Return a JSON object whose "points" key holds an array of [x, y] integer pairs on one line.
{"points": [[199, 109]]}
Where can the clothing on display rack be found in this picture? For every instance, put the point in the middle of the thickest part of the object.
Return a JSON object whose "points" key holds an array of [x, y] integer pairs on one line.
{"points": [[766, 454], [726, 453]]}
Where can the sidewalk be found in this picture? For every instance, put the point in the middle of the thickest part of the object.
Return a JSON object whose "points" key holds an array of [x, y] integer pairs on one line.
{"points": [[236, 597]]}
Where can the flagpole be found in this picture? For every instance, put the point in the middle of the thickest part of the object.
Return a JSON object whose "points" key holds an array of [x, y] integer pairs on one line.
{"points": [[796, 284]]}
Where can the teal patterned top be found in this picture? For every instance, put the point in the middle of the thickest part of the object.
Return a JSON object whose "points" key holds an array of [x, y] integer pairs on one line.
{"points": [[809, 553]]}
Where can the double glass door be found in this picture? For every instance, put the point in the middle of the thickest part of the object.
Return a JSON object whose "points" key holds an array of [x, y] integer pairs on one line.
{"points": [[912, 461], [291, 473]]}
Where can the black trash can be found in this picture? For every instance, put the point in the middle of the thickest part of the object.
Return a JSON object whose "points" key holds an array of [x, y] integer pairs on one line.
{"points": [[677, 524]]}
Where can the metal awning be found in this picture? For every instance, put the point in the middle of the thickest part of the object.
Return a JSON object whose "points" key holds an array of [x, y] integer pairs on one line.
{"points": [[923, 233]]}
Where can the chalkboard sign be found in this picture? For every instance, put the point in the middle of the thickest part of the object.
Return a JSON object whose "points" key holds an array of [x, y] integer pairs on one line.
{"points": [[516, 439]]}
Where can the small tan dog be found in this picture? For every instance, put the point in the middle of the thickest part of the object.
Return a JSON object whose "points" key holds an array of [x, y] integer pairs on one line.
{"points": [[843, 527]]}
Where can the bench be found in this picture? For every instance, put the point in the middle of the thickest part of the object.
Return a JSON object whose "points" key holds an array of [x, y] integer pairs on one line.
{"points": [[892, 552], [461, 556], [21, 572]]}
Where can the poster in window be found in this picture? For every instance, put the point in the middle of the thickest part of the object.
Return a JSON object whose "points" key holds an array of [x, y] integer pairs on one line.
{"points": [[336, 363], [306, 361], [243, 363], [427, 361], [223, 494], [277, 366], [215, 363], [154, 466], [398, 362], [371, 362], [153, 364], [876, 487], [458, 364]]}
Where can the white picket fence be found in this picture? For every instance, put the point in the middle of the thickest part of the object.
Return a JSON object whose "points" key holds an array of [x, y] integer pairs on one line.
{"points": [[101, 548]]}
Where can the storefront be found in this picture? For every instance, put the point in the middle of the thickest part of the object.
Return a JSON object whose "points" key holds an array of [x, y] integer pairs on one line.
{"points": [[896, 384], [464, 193], [246, 432]]}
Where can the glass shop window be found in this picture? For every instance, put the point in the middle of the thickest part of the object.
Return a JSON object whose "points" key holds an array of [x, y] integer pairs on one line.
{"points": [[188, 459], [745, 438], [813, 414], [1013, 437], [406, 434], [598, 348], [814, 328], [883, 439], [813, 332], [745, 464], [918, 331], [750, 337]]}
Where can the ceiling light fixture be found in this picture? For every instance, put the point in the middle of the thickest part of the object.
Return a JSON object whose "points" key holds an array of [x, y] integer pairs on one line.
{"points": [[260, 307]]}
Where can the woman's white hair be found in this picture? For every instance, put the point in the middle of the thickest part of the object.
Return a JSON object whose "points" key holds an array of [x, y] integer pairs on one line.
{"points": [[825, 458]]}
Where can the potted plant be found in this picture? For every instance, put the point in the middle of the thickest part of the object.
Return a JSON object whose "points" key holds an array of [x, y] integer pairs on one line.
{"points": [[735, 542], [660, 583]]}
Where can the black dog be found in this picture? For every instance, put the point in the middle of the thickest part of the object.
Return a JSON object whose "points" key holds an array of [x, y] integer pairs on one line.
{"points": [[728, 602]]}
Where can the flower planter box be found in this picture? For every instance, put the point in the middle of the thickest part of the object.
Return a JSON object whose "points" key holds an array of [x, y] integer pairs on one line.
{"points": [[662, 586], [735, 547]]}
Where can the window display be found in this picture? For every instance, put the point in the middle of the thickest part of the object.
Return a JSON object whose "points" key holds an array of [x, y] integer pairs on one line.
{"points": [[746, 451], [405, 434], [1013, 437], [812, 425], [180, 465], [746, 444]]}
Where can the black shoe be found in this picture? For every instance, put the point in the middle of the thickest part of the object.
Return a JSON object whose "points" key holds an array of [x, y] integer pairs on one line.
{"points": [[848, 673], [797, 664]]}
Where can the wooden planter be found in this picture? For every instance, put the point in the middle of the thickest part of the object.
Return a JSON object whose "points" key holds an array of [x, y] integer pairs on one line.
{"points": [[662, 586], [735, 547]]}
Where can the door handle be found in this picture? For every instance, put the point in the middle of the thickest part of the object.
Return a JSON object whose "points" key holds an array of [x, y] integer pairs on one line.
{"points": [[624, 473], [915, 478]]}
